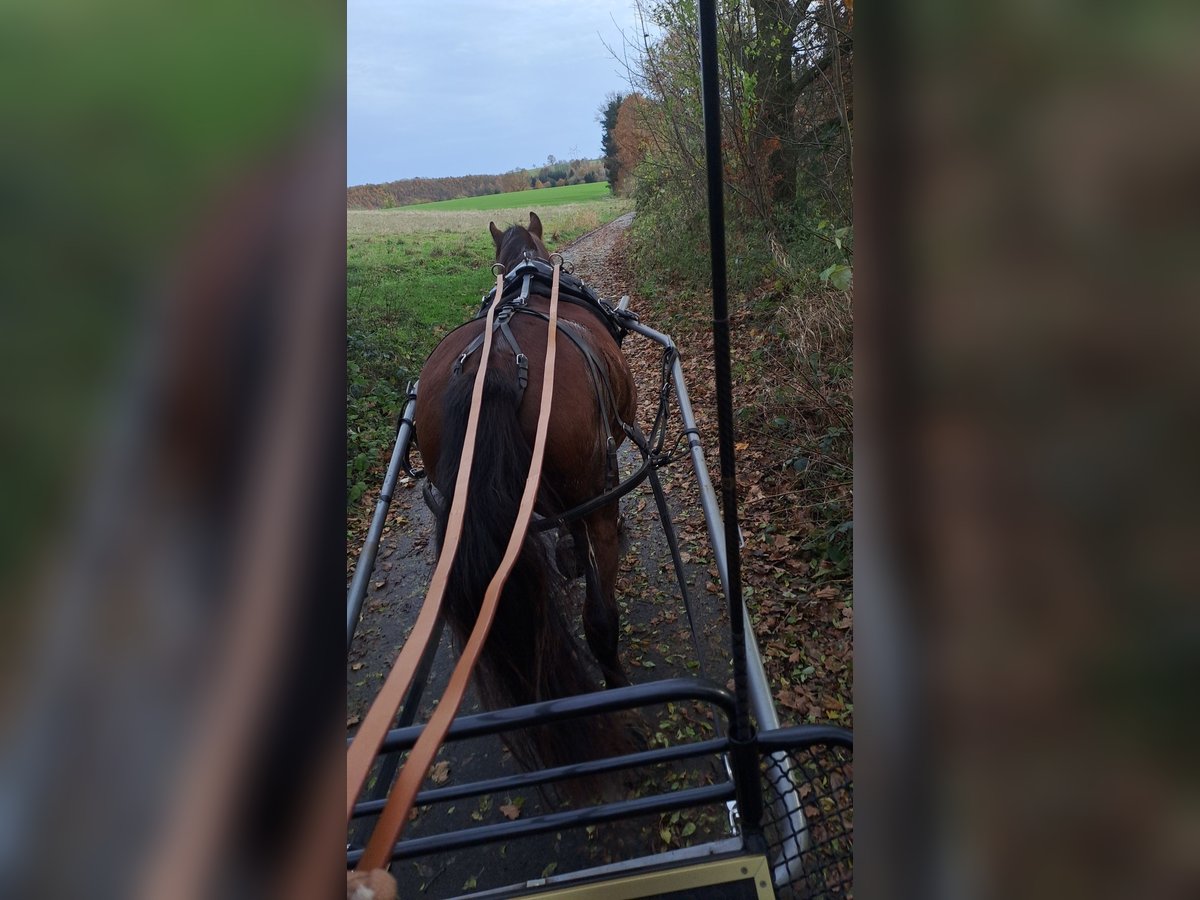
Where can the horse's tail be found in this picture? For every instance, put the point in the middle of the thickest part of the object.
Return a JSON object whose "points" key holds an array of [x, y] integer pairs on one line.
{"points": [[530, 654]]}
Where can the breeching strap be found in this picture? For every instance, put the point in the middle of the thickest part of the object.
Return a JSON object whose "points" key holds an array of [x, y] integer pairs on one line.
{"points": [[394, 817]]}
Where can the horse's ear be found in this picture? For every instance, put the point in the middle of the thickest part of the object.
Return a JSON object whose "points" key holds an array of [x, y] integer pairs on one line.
{"points": [[535, 225], [497, 235]]}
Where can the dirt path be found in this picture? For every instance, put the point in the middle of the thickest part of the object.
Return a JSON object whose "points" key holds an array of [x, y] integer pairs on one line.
{"points": [[655, 643]]}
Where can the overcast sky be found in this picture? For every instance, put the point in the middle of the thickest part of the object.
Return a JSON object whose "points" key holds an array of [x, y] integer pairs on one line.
{"points": [[477, 87]]}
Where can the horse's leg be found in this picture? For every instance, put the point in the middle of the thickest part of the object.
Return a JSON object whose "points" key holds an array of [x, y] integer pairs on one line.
{"points": [[601, 615]]}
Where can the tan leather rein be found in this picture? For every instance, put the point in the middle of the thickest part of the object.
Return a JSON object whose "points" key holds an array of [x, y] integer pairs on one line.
{"points": [[375, 725]]}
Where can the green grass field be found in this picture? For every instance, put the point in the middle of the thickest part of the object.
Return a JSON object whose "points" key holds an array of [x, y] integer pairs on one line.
{"points": [[556, 196], [413, 274]]}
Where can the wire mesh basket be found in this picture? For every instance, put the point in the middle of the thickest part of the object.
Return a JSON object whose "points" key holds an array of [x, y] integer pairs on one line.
{"points": [[809, 816]]}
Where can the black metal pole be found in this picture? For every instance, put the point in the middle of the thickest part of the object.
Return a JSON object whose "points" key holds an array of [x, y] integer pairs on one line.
{"points": [[745, 755]]}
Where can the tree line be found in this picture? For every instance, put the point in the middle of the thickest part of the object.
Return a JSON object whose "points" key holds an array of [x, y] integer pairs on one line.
{"points": [[787, 116], [786, 119], [407, 191]]}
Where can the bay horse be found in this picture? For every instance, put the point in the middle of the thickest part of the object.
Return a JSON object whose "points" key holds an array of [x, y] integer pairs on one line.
{"points": [[531, 653]]}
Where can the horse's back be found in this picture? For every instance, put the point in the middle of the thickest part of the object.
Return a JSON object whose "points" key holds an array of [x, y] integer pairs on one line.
{"points": [[576, 455]]}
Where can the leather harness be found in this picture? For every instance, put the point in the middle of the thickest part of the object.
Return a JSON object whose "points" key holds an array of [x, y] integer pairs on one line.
{"points": [[514, 294], [572, 289]]}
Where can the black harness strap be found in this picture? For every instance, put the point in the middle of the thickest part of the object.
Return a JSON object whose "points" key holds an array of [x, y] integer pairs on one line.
{"points": [[502, 317], [571, 289], [522, 359], [601, 385]]}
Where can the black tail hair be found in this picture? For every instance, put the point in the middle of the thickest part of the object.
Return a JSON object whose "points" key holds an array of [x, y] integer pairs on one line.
{"points": [[530, 654]]}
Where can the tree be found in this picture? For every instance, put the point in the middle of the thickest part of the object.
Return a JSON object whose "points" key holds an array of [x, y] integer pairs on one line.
{"points": [[785, 106], [775, 90], [607, 117], [786, 98], [631, 136]]}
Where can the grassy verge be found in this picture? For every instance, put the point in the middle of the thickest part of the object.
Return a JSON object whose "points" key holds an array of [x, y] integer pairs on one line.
{"points": [[411, 276]]}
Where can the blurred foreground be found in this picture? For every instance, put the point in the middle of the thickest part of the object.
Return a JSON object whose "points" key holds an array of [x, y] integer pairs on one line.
{"points": [[174, 237], [1027, 637]]}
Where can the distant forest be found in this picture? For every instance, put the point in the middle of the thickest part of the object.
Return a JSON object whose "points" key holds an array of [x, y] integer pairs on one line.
{"points": [[555, 173]]}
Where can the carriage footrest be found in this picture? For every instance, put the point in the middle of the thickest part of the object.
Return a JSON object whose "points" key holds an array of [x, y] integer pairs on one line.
{"points": [[737, 878]]}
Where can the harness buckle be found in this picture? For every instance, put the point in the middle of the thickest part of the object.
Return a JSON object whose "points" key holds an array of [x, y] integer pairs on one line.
{"points": [[458, 365], [522, 370], [524, 296]]}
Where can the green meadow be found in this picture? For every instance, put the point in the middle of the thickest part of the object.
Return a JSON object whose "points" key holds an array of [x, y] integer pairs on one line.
{"points": [[412, 275]]}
